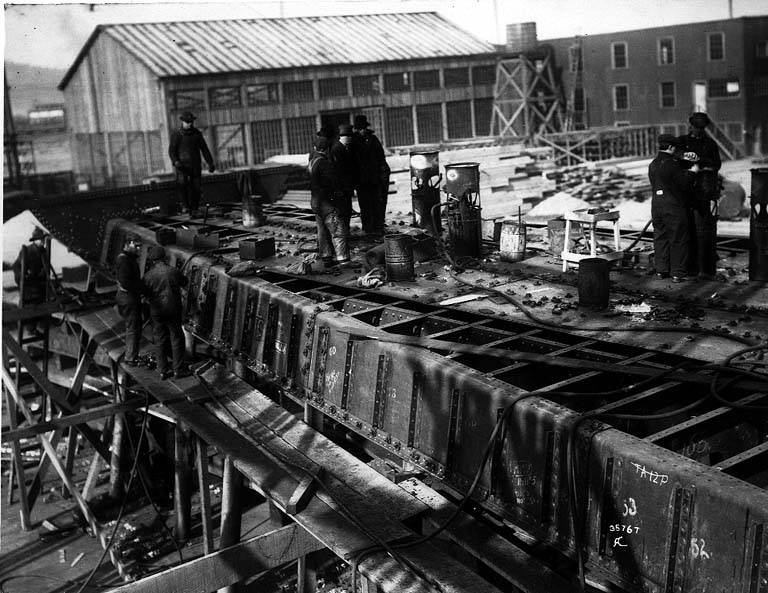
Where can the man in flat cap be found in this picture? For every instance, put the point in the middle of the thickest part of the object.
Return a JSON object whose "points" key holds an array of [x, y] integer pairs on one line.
{"points": [[697, 146], [373, 177], [130, 288], [186, 145], [30, 270], [670, 187]]}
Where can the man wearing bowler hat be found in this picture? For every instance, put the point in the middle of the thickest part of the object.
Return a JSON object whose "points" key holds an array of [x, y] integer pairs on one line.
{"points": [[670, 187], [35, 272], [373, 177], [186, 145], [697, 146]]}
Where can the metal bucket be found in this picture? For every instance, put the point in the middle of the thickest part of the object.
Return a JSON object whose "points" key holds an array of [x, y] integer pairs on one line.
{"points": [[253, 212], [462, 178], [758, 226], [464, 232], [512, 241], [593, 283], [398, 253]]}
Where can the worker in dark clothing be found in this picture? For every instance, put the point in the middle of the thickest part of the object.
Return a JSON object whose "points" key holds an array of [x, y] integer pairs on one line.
{"points": [[373, 177], [186, 145], [670, 187], [697, 146], [344, 165], [130, 288], [164, 284], [35, 273], [329, 206]]}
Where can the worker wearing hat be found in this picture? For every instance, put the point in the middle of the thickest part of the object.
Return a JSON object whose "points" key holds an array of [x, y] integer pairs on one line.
{"points": [[185, 147], [30, 270], [702, 149], [344, 172], [164, 284], [373, 177], [130, 288], [670, 187]]}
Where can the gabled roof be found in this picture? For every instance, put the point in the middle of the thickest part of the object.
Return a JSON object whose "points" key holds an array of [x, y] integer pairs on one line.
{"points": [[207, 47]]}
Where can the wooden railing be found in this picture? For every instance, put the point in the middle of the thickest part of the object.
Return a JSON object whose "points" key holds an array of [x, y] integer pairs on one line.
{"points": [[598, 144]]}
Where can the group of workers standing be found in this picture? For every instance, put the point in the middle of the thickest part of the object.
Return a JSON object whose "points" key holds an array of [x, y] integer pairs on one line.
{"points": [[341, 165], [685, 186]]}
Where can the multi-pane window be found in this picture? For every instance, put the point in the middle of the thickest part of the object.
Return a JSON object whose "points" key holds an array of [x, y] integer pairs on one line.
{"points": [[716, 46], [666, 51], [297, 91], [333, 87], [192, 100], [399, 126], [429, 122], [261, 94], [761, 49], [483, 75], [575, 63], [619, 54], [459, 119], [222, 97], [723, 87], [301, 134], [426, 79], [579, 102], [230, 146], [760, 86], [366, 85], [483, 112], [667, 94], [455, 77], [620, 97], [672, 130], [267, 139], [397, 81]]}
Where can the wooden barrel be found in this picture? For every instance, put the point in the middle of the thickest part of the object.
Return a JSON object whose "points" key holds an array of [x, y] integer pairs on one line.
{"points": [[593, 283], [512, 241]]}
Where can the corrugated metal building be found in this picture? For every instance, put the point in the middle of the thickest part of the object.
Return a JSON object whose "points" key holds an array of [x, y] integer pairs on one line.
{"points": [[661, 75], [262, 87]]}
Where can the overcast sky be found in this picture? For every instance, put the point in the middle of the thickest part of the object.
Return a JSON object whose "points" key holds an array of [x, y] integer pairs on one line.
{"points": [[52, 34]]}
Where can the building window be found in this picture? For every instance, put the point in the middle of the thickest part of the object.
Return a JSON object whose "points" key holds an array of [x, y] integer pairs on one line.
{"points": [[399, 126], [575, 63], [267, 139], [483, 112], [426, 79], [667, 94], [621, 124], [230, 146], [455, 77], [716, 46], [760, 86], [620, 97], [366, 85], [761, 49], [579, 102], [301, 134], [670, 129], [261, 94], [666, 51], [459, 119], [333, 87], [484, 75], [295, 92], [223, 97], [619, 54], [719, 88], [734, 131], [193, 100], [429, 122], [398, 81]]}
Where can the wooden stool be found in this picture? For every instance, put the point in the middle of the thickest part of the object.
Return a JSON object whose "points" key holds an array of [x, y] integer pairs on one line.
{"points": [[583, 217]]}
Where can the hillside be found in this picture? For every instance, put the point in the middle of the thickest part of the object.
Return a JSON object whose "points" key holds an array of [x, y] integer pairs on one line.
{"points": [[30, 85]]}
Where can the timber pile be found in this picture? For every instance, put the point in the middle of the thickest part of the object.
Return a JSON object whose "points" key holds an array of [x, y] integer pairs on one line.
{"points": [[597, 184]]}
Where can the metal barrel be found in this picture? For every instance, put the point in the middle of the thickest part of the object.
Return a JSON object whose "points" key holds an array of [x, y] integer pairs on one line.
{"points": [[425, 191], [398, 253], [425, 164], [464, 231], [462, 178], [512, 241], [521, 37], [758, 226], [253, 212], [593, 283]]}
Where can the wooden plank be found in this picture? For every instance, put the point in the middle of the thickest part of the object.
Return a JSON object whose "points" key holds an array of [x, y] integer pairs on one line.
{"points": [[19, 465], [229, 565], [513, 563], [201, 451]]}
